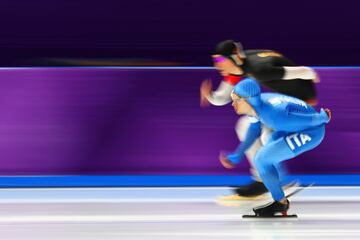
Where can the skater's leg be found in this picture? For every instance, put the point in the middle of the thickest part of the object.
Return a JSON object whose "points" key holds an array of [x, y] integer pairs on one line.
{"points": [[265, 136], [255, 188], [282, 146], [269, 135], [241, 128], [266, 160]]}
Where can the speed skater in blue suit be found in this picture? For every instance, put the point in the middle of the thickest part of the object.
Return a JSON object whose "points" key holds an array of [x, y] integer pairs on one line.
{"points": [[297, 128]]}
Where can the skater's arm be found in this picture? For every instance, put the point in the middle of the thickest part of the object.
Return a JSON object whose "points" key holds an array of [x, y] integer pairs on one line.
{"points": [[252, 134], [269, 72], [221, 96], [272, 72], [300, 72]]}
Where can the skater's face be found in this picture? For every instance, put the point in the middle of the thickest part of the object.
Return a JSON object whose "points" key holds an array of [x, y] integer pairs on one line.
{"points": [[225, 66], [241, 106]]}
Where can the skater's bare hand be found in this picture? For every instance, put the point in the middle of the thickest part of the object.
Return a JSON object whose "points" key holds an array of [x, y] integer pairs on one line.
{"points": [[317, 78], [205, 91], [328, 112], [225, 161]]}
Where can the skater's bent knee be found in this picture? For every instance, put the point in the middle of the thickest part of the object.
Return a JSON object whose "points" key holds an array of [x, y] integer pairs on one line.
{"points": [[241, 127], [261, 163]]}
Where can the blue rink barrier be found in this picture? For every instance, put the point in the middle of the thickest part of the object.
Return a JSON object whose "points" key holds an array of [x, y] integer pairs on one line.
{"points": [[163, 180]]}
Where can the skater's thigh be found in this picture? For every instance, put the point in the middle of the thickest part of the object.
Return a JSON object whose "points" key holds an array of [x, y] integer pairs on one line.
{"points": [[306, 140], [273, 152], [283, 146]]}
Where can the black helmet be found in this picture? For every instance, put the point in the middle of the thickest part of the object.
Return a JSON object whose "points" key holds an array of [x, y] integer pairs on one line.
{"points": [[228, 49]]}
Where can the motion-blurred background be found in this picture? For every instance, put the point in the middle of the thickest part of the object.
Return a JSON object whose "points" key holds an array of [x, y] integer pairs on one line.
{"points": [[142, 121], [183, 32]]}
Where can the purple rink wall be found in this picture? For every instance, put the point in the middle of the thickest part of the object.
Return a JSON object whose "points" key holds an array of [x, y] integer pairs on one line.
{"points": [[147, 121]]}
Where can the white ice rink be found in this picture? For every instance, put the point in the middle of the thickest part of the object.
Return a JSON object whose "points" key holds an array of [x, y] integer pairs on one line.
{"points": [[171, 213]]}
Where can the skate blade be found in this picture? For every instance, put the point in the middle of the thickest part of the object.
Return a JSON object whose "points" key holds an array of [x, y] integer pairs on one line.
{"points": [[288, 189], [236, 197], [271, 217], [230, 203]]}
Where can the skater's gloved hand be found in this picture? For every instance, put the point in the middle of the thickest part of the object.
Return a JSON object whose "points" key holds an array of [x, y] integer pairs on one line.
{"points": [[229, 160], [317, 78], [234, 158], [326, 113], [205, 92]]}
